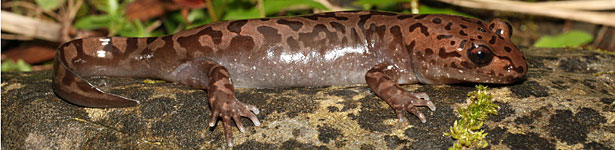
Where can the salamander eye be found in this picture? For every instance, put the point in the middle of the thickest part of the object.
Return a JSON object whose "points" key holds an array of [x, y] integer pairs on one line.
{"points": [[480, 55]]}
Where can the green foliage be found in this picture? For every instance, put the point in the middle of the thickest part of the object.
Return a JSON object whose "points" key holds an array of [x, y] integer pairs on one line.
{"points": [[20, 65], [368, 4], [274, 6], [49, 4], [471, 118], [572, 38], [114, 20], [424, 9], [271, 7]]}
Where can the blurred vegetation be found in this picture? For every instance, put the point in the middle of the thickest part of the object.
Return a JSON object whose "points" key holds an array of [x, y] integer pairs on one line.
{"points": [[110, 15], [117, 23], [20, 65], [572, 38]]}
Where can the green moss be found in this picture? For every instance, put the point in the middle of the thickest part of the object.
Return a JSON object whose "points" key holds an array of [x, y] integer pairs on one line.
{"points": [[20, 65], [471, 118], [603, 72]]}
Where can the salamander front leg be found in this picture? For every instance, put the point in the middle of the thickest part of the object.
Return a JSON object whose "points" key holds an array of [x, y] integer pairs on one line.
{"points": [[220, 93], [382, 79]]}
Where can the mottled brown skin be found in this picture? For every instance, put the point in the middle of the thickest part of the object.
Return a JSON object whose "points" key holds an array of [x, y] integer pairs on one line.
{"points": [[381, 49]]}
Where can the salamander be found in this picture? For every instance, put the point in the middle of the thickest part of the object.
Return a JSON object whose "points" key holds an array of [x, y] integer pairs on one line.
{"points": [[381, 49]]}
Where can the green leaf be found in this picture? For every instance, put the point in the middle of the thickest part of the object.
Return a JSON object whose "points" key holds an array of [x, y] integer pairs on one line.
{"points": [[49, 4], [367, 4], [133, 30], [93, 22], [197, 14], [169, 25], [237, 14], [20, 65], [101, 5], [424, 9], [275, 6], [112, 7], [572, 38]]}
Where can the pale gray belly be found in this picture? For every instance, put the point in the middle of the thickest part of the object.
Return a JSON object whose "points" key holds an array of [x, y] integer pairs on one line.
{"points": [[300, 69]]}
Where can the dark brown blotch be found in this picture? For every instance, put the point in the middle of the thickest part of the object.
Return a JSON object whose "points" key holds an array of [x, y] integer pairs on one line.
{"points": [[440, 37], [270, 34], [461, 32], [452, 42], [436, 20], [295, 25], [311, 17], [397, 35], [462, 43], [463, 26], [382, 13], [235, 26], [519, 69], [402, 17], [492, 40], [242, 43], [354, 36], [419, 25], [314, 37], [410, 47], [325, 15], [338, 27], [362, 20], [168, 40], [421, 16], [448, 26], [131, 44], [479, 37], [507, 49], [373, 28], [428, 52], [150, 39], [510, 29], [466, 19], [443, 54], [192, 40], [292, 43]]}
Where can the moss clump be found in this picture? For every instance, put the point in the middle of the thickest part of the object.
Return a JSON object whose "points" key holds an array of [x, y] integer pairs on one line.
{"points": [[471, 118]]}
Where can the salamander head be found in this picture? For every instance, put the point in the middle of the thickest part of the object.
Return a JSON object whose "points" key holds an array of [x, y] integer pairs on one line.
{"points": [[468, 50]]}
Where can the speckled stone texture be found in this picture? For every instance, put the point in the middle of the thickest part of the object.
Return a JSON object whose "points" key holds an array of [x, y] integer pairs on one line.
{"points": [[561, 104]]}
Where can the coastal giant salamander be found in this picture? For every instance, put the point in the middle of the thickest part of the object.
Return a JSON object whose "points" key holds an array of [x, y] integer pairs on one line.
{"points": [[381, 49]]}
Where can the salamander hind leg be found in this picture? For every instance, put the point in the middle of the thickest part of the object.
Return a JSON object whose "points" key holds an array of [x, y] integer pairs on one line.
{"points": [[382, 79], [207, 74]]}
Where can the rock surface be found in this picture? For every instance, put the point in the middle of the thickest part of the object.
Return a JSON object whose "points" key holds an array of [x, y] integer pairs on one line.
{"points": [[566, 101]]}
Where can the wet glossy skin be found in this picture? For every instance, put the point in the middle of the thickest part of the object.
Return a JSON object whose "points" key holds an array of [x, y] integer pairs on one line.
{"points": [[337, 48]]}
